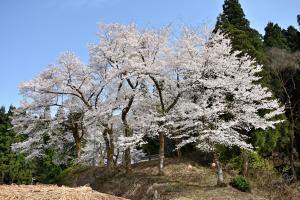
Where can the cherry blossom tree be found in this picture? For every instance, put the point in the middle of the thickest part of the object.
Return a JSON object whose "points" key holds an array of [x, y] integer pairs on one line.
{"points": [[68, 86], [115, 53], [136, 57], [144, 82], [222, 95]]}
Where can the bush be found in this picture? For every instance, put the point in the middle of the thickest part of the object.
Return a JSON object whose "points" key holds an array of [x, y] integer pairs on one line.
{"points": [[70, 172], [241, 183], [256, 163]]}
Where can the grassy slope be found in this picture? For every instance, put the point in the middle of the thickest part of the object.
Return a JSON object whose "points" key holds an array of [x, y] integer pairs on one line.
{"points": [[179, 182]]}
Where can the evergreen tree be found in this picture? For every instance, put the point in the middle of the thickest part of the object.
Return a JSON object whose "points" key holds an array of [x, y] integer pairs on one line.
{"points": [[292, 36], [274, 37], [14, 168], [233, 22], [233, 14]]}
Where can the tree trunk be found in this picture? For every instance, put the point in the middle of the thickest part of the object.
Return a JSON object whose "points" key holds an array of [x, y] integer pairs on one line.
{"points": [[116, 158], [179, 154], [111, 149], [2, 177], [127, 155], [77, 142], [291, 151], [220, 176], [78, 149], [161, 153], [245, 160], [178, 150], [102, 157], [110, 157], [127, 131], [107, 134], [77, 139], [111, 146], [127, 159]]}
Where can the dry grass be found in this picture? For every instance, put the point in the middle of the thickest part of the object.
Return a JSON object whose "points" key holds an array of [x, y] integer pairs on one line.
{"points": [[183, 179], [51, 192], [179, 182], [275, 187]]}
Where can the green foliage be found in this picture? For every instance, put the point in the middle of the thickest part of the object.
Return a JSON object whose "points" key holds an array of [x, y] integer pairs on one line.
{"points": [[232, 21], [46, 170], [20, 169], [151, 146], [292, 36], [274, 37], [241, 183], [232, 158], [266, 141], [71, 171], [14, 168], [233, 14], [256, 162], [227, 154]]}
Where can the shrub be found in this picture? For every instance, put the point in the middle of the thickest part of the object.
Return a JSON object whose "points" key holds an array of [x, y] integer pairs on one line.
{"points": [[241, 183], [256, 163]]}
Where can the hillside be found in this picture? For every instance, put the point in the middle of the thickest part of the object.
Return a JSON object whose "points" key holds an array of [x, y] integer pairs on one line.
{"points": [[183, 179]]}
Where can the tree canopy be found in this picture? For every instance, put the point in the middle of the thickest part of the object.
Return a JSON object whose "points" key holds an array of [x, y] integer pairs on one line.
{"points": [[233, 22]]}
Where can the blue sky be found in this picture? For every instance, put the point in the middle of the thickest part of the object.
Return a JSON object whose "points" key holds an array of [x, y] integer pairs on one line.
{"points": [[34, 32]]}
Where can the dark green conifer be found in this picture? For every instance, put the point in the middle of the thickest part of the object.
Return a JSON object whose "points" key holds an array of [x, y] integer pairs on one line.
{"points": [[233, 22], [14, 168], [274, 37], [292, 36]]}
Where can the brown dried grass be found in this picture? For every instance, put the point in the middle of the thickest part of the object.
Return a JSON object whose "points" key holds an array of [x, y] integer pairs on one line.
{"points": [[51, 192]]}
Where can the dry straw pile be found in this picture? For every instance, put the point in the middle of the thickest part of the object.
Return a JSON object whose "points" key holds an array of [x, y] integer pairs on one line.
{"points": [[51, 192]]}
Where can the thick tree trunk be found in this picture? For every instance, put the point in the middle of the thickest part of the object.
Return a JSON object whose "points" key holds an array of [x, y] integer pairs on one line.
{"points": [[77, 142], [76, 126], [109, 145], [112, 146], [127, 159], [245, 160], [78, 149], [127, 131], [220, 176], [127, 154], [161, 153], [110, 158]]}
